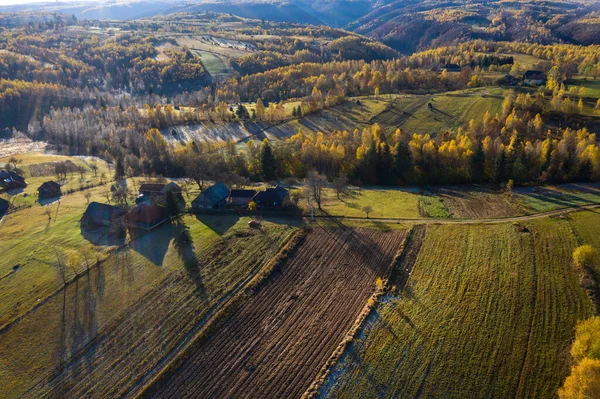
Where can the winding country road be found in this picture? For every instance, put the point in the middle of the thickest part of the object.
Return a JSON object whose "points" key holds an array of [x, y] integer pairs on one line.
{"points": [[533, 216]]}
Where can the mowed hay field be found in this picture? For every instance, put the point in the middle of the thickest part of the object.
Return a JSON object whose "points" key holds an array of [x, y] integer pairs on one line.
{"points": [[488, 311], [276, 342]]}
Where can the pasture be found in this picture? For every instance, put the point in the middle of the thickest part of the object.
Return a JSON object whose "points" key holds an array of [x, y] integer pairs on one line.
{"points": [[487, 311], [408, 112], [385, 203]]}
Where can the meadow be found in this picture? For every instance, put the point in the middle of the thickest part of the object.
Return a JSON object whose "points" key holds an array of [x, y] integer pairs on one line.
{"points": [[488, 311]]}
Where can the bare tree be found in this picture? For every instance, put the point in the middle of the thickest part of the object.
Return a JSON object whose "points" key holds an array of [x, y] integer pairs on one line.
{"points": [[340, 185], [48, 212], [316, 183], [94, 167], [367, 209], [87, 195]]}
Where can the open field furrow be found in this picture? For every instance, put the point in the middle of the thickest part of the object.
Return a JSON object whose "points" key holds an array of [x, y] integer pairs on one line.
{"points": [[276, 342], [245, 333], [248, 332]]}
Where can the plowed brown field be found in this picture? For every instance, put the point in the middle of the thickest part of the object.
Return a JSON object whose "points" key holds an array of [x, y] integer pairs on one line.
{"points": [[276, 342]]}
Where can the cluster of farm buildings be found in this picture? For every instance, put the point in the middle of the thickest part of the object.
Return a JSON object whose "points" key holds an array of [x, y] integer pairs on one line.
{"points": [[150, 211]]}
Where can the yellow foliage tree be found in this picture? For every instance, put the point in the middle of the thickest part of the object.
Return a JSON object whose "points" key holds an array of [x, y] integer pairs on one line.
{"points": [[584, 381], [587, 340], [584, 256]]}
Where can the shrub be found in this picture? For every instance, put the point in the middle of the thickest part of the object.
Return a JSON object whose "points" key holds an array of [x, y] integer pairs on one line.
{"points": [[584, 256]]}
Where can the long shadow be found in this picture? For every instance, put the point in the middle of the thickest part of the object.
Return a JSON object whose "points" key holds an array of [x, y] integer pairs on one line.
{"points": [[219, 223], [558, 198], [48, 201], [185, 249], [153, 244], [102, 236]]}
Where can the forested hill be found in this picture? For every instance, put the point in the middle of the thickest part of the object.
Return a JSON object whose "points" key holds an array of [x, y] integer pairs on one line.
{"points": [[405, 25]]}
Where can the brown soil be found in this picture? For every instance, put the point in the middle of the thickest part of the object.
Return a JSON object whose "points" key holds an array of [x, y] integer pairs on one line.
{"points": [[276, 342], [477, 203]]}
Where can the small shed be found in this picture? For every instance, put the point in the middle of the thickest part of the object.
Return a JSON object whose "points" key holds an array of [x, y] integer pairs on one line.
{"points": [[452, 67], [146, 216], [50, 189], [214, 197], [240, 197], [271, 197], [534, 78], [98, 214]]}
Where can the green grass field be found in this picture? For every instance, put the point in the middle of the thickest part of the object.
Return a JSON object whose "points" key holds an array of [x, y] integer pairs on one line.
{"points": [[488, 311], [73, 182], [409, 112], [213, 64], [591, 87], [543, 199], [433, 206], [452, 110], [385, 203]]}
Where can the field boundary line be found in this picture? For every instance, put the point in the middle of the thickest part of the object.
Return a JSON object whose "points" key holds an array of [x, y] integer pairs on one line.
{"points": [[313, 389], [220, 315]]}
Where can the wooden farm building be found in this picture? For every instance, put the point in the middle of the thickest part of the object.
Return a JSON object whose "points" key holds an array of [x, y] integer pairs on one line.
{"points": [[146, 216], [214, 197], [240, 197], [50, 189]]}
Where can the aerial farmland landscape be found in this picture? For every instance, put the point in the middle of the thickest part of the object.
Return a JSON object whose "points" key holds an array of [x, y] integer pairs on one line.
{"points": [[300, 199]]}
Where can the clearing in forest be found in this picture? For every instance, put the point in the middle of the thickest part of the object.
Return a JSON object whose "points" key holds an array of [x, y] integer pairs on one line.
{"points": [[487, 311], [276, 342]]}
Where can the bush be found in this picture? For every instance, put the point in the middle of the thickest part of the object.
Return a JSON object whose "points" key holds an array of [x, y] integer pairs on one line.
{"points": [[584, 256]]}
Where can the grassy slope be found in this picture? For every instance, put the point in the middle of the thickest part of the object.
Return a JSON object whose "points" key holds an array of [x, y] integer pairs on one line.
{"points": [[451, 111], [28, 240], [487, 312]]}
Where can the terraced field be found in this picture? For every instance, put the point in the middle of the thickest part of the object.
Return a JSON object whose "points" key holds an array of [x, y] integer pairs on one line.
{"points": [[275, 343], [488, 311], [115, 326]]}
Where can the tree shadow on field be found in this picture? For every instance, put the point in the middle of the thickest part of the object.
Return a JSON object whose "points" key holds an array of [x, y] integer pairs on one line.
{"points": [[360, 247], [185, 249], [154, 244], [219, 223]]}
